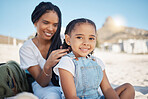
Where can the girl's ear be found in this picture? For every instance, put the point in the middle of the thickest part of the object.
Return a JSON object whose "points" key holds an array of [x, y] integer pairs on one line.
{"points": [[67, 39]]}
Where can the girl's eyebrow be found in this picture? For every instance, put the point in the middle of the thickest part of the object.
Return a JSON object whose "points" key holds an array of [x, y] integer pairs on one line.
{"points": [[78, 34], [83, 34], [93, 35]]}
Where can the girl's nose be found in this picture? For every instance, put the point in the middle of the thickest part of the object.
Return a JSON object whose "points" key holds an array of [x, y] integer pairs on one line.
{"points": [[86, 42]]}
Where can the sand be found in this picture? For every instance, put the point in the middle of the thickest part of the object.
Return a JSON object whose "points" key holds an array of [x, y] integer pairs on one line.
{"points": [[9, 53], [120, 67], [126, 68]]}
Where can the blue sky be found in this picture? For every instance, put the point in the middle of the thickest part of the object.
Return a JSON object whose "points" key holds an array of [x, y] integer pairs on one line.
{"points": [[15, 15]]}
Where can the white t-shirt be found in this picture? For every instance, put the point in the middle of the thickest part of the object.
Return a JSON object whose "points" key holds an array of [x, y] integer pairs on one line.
{"points": [[67, 64], [30, 55]]}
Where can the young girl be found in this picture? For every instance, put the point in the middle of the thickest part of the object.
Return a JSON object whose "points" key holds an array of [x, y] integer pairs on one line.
{"points": [[81, 74]]}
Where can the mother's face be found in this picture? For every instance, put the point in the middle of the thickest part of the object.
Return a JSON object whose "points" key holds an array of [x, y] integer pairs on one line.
{"points": [[47, 25]]}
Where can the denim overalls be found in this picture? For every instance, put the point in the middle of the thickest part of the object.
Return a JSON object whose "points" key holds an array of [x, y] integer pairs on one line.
{"points": [[88, 77]]}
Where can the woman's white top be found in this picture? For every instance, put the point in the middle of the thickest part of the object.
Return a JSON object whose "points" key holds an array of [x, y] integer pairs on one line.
{"points": [[30, 55]]}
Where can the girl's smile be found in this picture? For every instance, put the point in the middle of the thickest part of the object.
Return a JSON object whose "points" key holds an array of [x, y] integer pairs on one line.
{"points": [[84, 50]]}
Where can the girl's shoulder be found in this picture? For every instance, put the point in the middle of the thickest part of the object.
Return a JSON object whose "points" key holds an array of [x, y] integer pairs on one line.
{"points": [[66, 57], [71, 55], [65, 63], [95, 58], [99, 61]]}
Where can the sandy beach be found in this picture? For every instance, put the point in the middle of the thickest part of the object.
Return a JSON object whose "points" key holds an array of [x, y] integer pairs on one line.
{"points": [[120, 67], [126, 68]]}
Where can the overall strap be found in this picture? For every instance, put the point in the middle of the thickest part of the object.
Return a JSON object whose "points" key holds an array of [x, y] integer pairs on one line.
{"points": [[71, 55]]}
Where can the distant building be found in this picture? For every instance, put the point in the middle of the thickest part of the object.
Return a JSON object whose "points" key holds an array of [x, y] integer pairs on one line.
{"points": [[10, 40], [128, 46]]}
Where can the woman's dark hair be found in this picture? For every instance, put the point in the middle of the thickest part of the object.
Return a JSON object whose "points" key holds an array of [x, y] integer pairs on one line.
{"points": [[71, 26], [39, 10]]}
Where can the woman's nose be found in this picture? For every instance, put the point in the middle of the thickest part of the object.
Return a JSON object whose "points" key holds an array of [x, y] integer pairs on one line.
{"points": [[50, 27]]}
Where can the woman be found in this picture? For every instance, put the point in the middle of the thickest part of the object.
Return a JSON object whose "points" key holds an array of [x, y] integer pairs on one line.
{"points": [[40, 54]]}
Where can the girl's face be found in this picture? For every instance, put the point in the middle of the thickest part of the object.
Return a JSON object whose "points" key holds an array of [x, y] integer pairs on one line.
{"points": [[82, 39], [47, 25]]}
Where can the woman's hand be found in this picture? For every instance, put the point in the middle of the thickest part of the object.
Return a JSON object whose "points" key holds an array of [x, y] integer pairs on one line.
{"points": [[55, 56], [41, 75]]}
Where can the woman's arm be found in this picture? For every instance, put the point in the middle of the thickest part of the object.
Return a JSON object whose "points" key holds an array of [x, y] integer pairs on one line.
{"points": [[38, 74], [44, 76], [107, 90], [67, 83]]}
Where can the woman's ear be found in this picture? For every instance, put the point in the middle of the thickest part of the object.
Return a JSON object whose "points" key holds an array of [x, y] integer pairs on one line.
{"points": [[67, 39], [35, 24]]}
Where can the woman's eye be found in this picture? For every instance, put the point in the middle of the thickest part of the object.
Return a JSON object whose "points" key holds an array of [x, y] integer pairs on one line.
{"points": [[55, 25], [45, 22]]}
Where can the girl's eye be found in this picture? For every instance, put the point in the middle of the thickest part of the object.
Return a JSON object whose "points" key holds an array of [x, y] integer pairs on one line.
{"points": [[79, 37], [91, 38]]}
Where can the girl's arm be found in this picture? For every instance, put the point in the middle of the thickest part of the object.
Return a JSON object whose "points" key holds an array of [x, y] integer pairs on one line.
{"points": [[67, 83], [107, 90]]}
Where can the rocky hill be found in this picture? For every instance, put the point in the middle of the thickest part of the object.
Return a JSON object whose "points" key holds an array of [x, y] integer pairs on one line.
{"points": [[112, 34]]}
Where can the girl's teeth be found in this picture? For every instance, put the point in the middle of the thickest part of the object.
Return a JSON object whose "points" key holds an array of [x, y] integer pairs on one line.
{"points": [[84, 50]]}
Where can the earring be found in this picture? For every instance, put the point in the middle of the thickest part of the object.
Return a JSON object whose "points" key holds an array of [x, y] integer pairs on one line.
{"points": [[68, 42]]}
